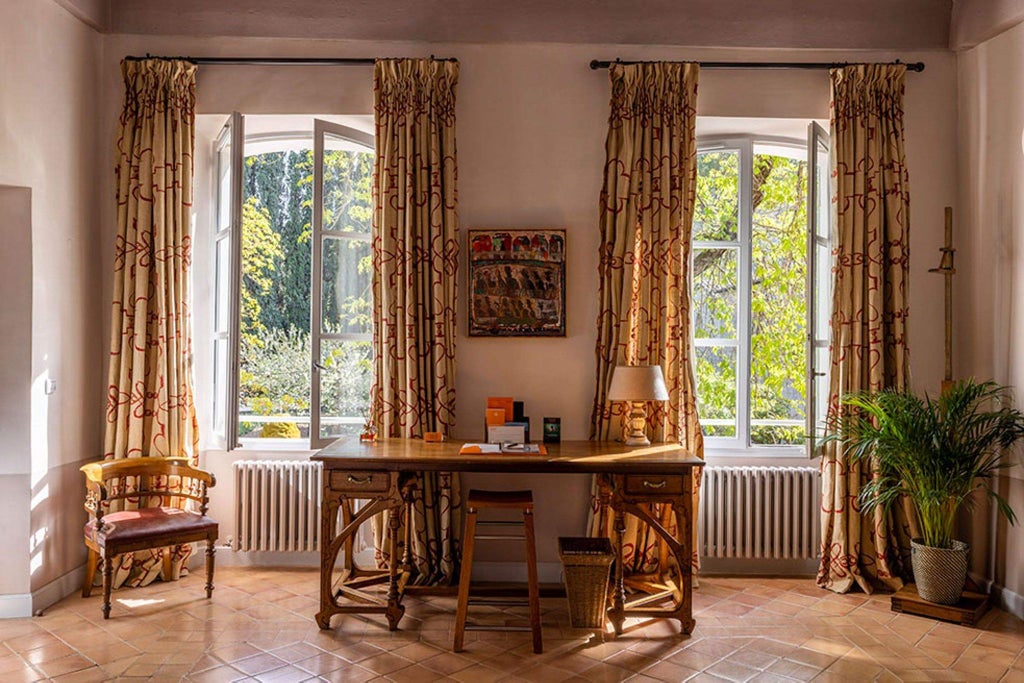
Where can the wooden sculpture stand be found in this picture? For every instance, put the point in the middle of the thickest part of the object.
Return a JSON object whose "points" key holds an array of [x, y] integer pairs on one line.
{"points": [[385, 474]]}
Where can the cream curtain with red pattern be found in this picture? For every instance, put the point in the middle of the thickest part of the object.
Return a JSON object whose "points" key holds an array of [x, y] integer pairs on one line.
{"points": [[415, 257], [647, 201], [869, 314], [150, 410]]}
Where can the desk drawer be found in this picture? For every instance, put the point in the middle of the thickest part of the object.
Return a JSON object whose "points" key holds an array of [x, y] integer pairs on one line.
{"points": [[359, 481], [654, 485]]}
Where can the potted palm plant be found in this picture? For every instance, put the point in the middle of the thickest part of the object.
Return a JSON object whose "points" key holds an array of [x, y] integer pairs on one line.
{"points": [[942, 454]]}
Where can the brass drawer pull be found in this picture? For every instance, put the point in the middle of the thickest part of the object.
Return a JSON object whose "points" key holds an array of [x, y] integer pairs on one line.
{"points": [[652, 485], [357, 480]]}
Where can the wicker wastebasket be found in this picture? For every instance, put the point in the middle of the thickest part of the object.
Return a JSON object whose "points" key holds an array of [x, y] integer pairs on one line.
{"points": [[587, 563]]}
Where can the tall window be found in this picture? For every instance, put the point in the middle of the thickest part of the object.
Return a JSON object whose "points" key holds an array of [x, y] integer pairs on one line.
{"points": [[754, 293], [292, 337]]}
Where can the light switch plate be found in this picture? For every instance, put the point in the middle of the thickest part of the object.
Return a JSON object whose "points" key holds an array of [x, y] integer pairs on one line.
{"points": [[50, 386]]}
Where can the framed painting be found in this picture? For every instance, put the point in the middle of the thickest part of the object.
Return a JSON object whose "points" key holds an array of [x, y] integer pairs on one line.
{"points": [[517, 283]]}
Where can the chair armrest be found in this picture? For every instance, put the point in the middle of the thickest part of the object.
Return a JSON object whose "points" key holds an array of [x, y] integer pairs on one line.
{"points": [[95, 489]]}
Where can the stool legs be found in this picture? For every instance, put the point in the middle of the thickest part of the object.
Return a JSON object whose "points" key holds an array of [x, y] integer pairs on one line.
{"points": [[466, 569], [531, 578]]}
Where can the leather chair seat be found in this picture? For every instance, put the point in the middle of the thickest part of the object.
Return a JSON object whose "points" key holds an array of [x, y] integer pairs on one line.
{"points": [[137, 525]]}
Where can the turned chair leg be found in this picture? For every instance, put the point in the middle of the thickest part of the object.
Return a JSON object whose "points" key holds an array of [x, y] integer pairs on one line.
{"points": [[210, 552], [90, 572], [108, 580]]}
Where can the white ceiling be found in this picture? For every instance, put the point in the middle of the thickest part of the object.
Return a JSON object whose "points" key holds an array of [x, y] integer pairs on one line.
{"points": [[839, 24]]}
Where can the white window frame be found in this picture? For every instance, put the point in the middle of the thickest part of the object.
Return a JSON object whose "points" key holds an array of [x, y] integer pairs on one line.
{"points": [[226, 398], [740, 446], [320, 130]]}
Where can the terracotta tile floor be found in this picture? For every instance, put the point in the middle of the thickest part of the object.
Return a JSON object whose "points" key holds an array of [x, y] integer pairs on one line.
{"points": [[259, 626]]}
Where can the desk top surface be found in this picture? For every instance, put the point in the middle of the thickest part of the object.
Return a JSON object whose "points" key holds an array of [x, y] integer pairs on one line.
{"points": [[565, 457]]}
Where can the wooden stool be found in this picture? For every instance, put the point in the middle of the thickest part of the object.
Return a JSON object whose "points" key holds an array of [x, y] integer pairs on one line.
{"points": [[500, 500]]}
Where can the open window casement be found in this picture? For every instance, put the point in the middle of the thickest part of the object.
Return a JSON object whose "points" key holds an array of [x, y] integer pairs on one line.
{"points": [[342, 332], [819, 280], [228, 151]]}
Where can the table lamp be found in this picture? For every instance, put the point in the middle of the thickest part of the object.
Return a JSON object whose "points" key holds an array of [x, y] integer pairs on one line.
{"points": [[636, 384]]}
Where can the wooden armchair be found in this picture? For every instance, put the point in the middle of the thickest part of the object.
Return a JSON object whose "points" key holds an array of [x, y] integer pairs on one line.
{"points": [[160, 489]]}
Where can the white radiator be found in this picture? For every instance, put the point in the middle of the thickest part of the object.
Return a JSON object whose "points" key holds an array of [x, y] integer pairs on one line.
{"points": [[277, 505], [760, 513]]}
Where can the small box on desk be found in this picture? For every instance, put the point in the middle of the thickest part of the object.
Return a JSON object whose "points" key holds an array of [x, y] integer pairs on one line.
{"points": [[506, 434]]}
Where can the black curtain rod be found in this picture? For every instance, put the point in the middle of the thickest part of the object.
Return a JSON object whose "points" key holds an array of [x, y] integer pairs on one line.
{"points": [[913, 66], [281, 61]]}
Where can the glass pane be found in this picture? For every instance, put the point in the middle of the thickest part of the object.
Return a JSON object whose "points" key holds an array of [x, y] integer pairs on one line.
{"points": [[348, 183], [823, 197], [716, 390], [222, 284], [822, 290], [778, 301], [274, 385], [345, 292], [715, 282], [344, 386], [220, 380], [716, 214], [224, 188]]}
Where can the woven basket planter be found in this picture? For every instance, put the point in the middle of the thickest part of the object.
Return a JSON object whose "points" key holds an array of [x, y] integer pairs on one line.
{"points": [[939, 573], [587, 563]]}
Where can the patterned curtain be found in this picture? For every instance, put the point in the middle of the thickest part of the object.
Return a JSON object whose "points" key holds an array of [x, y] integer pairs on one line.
{"points": [[650, 179], [415, 257], [150, 409], [869, 314]]}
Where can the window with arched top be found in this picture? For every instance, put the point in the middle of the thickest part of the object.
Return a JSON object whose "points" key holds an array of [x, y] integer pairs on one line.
{"points": [[293, 305], [761, 274]]}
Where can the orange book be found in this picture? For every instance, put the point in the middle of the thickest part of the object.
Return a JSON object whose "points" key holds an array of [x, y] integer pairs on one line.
{"points": [[495, 416], [505, 402]]}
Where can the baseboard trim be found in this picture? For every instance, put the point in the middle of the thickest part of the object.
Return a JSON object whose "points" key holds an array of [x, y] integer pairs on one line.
{"points": [[58, 589], [16, 606], [547, 572], [515, 572], [1002, 597], [732, 566], [226, 557]]}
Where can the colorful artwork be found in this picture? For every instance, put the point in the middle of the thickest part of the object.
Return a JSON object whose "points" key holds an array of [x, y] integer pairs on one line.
{"points": [[517, 283]]}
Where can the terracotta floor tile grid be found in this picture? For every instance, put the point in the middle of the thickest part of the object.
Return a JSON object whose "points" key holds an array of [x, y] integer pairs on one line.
{"points": [[259, 627]]}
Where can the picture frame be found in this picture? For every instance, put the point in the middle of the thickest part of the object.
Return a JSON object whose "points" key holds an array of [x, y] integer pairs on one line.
{"points": [[516, 282]]}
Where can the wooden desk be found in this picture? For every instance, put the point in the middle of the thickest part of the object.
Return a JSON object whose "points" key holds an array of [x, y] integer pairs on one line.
{"points": [[385, 474]]}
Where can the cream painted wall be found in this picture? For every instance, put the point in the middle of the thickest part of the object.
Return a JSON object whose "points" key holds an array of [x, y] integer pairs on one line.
{"points": [[49, 105], [989, 314], [531, 127]]}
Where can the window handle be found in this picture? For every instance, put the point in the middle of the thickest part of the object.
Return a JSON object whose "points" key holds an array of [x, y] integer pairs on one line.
{"points": [[819, 374], [318, 366]]}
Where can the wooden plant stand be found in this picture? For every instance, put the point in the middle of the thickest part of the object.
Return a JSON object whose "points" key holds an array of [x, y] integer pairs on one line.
{"points": [[967, 612]]}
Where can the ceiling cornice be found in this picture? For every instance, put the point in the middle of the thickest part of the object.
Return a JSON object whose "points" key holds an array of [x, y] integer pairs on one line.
{"points": [[814, 24]]}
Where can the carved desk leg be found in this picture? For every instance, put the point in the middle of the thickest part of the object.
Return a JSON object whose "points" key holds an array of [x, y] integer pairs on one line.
{"points": [[684, 530], [617, 613], [395, 608], [328, 515]]}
